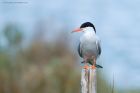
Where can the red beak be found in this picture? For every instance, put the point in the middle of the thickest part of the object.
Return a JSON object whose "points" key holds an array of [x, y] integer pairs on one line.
{"points": [[77, 30]]}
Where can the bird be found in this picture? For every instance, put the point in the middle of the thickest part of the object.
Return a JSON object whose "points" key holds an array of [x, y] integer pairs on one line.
{"points": [[89, 47]]}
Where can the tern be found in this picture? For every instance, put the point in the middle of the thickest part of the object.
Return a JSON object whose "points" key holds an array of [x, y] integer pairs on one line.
{"points": [[89, 47]]}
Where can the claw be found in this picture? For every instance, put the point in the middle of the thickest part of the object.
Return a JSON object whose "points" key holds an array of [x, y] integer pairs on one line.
{"points": [[93, 67], [86, 67]]}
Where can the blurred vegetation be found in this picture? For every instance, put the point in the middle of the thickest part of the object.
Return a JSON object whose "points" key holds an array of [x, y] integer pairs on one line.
{"points": [[41, 66]]}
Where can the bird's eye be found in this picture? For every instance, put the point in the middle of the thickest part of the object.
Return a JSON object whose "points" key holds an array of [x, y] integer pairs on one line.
{"points": [[83, 30]]}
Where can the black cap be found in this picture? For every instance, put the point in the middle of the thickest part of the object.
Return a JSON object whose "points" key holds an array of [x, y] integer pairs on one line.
{"points": [[88, 24]]}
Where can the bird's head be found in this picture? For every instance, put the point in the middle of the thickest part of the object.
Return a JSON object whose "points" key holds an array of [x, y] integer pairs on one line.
{"points": [[85, 26]]}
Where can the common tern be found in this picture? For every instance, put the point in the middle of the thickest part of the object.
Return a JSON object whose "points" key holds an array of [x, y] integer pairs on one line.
{"points": [[89, 47]]}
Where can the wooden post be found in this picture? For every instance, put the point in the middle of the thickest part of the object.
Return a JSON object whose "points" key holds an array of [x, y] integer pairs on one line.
{"points": [[88, 80]]}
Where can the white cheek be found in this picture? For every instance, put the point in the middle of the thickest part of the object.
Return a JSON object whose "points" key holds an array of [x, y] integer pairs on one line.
{"points": [[84, 30]]}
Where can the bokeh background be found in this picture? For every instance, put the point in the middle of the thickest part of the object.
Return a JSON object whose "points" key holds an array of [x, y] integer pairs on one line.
{"points": [[38, 53]]}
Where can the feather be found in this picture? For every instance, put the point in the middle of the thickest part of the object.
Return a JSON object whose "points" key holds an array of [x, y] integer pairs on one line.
{"points": [[79, 50]]}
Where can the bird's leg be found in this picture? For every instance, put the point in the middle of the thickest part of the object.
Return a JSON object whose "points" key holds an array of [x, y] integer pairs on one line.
{"points": [[86, 65], [94, 63]]}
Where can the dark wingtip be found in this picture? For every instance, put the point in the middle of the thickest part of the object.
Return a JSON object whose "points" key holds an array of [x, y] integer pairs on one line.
{"points": [[99, 66]]}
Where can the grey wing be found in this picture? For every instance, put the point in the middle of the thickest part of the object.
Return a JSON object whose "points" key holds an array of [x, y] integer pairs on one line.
{"points": [[79, 50], [98, 47]]}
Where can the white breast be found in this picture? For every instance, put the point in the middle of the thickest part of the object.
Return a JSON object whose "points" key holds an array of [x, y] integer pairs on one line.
{"points": [[88, 36], [88, 42]]}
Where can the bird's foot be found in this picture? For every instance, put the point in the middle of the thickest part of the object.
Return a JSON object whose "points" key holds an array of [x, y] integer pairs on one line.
{"points": [[93, 67], [86, 67]]}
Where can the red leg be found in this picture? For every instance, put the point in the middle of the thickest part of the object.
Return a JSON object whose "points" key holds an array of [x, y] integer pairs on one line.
{"points": [[94, 63], [85, 62]]}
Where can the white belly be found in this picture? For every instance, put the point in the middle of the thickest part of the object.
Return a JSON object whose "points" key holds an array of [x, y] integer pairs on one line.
{"points": [[88, 45]]}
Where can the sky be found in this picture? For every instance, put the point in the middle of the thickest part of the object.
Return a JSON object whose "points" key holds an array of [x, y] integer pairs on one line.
{"points": [[117, 23]]}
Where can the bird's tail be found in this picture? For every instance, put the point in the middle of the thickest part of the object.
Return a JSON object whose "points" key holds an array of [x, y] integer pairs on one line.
{"points": [[96, 65]]}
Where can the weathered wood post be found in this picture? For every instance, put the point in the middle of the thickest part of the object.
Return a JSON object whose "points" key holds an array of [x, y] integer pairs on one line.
{"points": [[88, 80]]}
